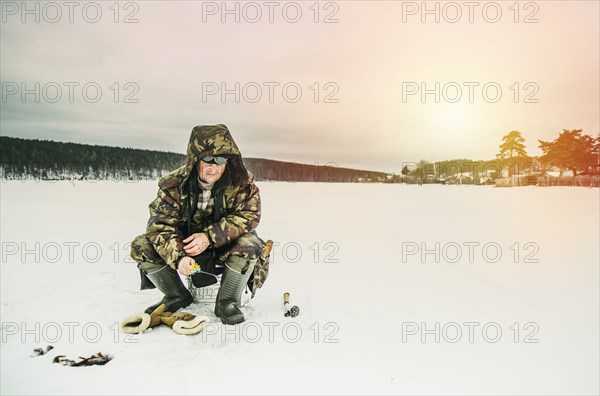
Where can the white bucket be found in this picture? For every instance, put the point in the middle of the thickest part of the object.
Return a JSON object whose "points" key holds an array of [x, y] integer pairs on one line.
{"points": [[208, 294]]}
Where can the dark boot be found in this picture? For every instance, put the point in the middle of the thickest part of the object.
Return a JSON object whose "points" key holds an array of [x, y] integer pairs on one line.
{"points": [[176, 294], [233, 282]]}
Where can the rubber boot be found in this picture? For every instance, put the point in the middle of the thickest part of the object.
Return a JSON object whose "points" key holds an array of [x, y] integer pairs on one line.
{"points": [[176, 294], [233, 282]]}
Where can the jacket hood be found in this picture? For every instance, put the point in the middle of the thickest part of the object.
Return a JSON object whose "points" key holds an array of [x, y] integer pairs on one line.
{"points": [[216, 140]]}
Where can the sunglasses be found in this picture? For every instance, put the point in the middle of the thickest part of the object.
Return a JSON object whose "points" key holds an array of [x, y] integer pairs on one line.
{"points": [[211, 159]]}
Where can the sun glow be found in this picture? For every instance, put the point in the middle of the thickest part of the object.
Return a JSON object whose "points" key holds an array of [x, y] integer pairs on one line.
{"points": [[462, 120], [455, 117]]}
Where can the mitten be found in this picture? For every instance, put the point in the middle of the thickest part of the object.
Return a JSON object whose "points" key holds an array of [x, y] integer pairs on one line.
{"points": [[184, 322], [141, 322]]}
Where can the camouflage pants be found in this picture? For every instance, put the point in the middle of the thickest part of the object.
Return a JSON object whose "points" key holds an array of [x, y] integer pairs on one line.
{"points": [[248, 246]]}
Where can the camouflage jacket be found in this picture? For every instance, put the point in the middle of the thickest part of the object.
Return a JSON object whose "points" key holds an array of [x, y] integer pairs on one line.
{"points": [[237, 198]]}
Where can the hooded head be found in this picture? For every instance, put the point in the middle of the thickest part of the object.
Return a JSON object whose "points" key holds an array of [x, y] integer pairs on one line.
{"points": [[216, 140]]}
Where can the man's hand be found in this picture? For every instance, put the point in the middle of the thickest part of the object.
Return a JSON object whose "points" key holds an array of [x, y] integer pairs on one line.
{"points": [[196, 244], [185, 265]]}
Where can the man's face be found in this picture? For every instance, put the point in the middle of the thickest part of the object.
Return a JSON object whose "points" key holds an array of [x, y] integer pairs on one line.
{"points": [[210, 173]]}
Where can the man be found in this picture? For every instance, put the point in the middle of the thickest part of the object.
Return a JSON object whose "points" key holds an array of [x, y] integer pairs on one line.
{"points": [[205, 213]]}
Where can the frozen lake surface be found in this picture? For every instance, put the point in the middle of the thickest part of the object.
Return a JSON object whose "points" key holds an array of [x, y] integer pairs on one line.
{"points": [[402, 289]]}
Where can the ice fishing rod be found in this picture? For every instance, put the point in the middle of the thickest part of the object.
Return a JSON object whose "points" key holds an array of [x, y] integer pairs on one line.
{"points": [[291, 312]]}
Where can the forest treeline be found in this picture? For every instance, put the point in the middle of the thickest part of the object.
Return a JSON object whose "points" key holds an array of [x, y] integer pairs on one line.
{"points": [[50, 160]]}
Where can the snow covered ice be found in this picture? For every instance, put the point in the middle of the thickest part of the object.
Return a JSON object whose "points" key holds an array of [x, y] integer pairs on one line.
{"points": [[402, 289]]}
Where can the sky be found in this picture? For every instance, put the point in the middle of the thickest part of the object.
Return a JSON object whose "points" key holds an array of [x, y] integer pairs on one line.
{"points": [[362, 84]]}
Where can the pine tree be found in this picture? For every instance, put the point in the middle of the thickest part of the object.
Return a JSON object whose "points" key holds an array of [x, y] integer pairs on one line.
{"points": [[512, 146], [571, 150]]}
